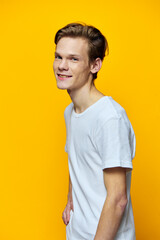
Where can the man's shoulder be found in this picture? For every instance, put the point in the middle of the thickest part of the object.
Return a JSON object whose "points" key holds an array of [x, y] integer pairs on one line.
{"points": [[110, 109]]}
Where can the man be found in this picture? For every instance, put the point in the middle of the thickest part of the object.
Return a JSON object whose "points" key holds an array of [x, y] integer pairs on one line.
{"points": [[100, 142]]}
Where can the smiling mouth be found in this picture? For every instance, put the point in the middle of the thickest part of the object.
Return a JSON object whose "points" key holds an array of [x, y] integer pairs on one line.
{"points": [[64, 76]]}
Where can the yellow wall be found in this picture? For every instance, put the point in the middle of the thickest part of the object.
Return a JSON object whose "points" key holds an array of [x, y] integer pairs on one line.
{"points": [[33, 165]]}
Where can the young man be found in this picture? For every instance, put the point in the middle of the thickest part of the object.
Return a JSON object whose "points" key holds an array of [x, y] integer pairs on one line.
{"points": [[100, 142]]}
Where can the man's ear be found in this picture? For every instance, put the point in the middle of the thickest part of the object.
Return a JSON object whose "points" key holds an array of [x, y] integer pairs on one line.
{"points": [[96, 65]]}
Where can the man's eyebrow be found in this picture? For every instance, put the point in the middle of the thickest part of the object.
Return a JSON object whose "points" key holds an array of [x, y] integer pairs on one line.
{"points": [[70, 55], [74, 55]]}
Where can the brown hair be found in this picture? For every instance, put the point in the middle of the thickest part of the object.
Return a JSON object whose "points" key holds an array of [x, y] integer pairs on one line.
{"points": [[96, 41]]}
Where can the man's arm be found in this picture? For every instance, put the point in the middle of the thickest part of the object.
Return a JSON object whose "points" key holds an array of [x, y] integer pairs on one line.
{"points": [[114, 205], [69, 206]]}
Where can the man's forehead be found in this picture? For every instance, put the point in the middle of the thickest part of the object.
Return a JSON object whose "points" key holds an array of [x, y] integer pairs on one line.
{"points": [[73, 39], [74, 45]]}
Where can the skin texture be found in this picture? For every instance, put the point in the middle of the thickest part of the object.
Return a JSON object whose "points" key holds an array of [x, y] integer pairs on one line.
{"points": [[74, 73], [71, 58]]}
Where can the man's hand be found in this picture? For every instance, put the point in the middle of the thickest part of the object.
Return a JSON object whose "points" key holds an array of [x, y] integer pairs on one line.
{"points": [[66, 212]]}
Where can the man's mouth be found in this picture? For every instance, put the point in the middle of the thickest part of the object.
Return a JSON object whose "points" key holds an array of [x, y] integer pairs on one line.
{"points": [[62, 76]]}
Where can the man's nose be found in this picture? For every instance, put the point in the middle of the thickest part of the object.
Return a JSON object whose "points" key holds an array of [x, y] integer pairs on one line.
{"points": [[63, 65]]}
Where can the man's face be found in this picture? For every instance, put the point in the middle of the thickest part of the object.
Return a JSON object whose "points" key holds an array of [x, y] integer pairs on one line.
{"points": [[71, 64]]}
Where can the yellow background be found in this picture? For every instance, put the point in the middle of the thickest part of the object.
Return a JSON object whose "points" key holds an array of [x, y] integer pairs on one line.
{"points": [[33, 164]]}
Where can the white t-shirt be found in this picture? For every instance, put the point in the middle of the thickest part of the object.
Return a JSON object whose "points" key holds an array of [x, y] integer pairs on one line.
{"points": [[100, 137]]}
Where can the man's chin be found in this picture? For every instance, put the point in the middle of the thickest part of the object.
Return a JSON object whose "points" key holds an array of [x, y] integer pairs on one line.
{"points": [[62, 88]]}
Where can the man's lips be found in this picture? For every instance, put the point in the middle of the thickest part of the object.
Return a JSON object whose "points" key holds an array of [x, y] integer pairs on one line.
{"points": [[62, 76]]}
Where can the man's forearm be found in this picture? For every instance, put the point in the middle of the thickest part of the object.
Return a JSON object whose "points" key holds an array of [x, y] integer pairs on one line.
{"points": [[110, 219]]}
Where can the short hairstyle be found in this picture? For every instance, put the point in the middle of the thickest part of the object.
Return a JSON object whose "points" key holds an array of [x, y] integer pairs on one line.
{"points": [[97, 42]]}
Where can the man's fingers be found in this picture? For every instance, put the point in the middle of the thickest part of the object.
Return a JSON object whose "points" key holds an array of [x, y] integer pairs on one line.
{"points": [[64, 217], [67, 215]]}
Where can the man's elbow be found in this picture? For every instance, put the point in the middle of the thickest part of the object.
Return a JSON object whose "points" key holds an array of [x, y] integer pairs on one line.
{"points": [[122, 202]]}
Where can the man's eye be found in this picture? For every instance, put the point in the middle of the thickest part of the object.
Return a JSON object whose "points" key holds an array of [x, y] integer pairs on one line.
{"points": [[58, 57], [74, 59]]}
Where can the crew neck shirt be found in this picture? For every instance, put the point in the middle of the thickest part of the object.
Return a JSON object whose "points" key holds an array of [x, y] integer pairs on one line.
{"points": [[100, 137]]}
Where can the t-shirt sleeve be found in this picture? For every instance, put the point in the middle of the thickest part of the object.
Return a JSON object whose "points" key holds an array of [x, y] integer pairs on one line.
{"points": [[115, 141]]}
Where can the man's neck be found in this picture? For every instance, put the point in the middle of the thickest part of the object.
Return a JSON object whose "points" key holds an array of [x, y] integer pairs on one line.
{"points": [[84, 97]]}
